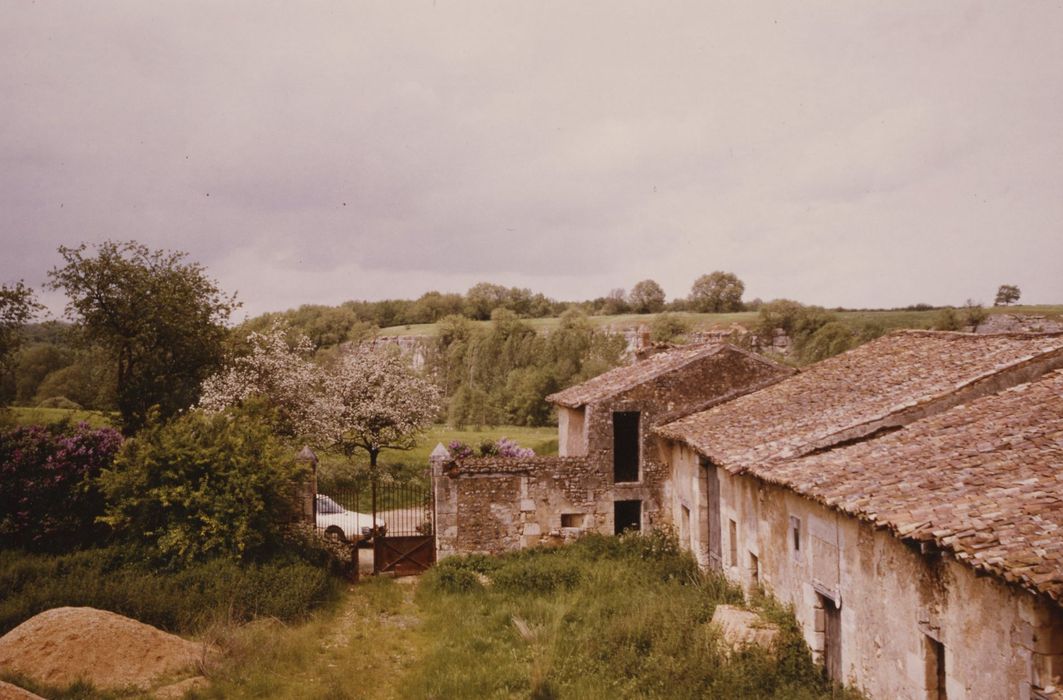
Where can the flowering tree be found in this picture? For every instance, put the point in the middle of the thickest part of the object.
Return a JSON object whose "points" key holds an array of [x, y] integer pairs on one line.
{"points": [[383, 402], [283, 377]]}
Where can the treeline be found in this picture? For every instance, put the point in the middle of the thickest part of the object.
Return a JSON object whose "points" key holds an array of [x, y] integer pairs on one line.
{"points": [[501, 374], [326, 326]]}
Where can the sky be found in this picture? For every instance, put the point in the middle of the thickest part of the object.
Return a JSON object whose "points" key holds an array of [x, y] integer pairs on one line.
{"points": [[858, 154]]}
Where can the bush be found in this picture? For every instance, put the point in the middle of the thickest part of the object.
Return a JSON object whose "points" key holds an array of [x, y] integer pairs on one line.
{"points": [[50, 499], [203, 486]]}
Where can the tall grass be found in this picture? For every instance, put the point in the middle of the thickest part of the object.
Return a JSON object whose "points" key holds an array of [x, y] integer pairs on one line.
{"points": [[604, 618], [186, 601]]}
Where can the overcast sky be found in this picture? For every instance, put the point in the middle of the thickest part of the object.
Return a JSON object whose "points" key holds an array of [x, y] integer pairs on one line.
{"points": [[839, 153]]}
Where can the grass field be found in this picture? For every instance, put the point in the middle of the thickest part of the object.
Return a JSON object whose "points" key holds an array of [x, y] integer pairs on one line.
{"points": [[334, 470], [24, 415], [888, 319]]}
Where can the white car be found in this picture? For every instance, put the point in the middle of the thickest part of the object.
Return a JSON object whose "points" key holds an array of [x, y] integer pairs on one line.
{"points": [[345, 525]]}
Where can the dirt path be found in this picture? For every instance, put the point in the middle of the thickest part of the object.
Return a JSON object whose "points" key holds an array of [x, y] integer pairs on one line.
{"points": [[383, 640]]}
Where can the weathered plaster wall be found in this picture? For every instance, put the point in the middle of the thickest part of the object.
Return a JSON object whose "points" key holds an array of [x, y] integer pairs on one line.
{"points": [[998, 639]]}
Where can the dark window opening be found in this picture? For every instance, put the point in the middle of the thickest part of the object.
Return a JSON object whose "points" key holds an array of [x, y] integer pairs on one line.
{"points": [[733, 532], [935, 669], [754, 569], [626, 446], [627, 515], [572, 519], [795, 534]]}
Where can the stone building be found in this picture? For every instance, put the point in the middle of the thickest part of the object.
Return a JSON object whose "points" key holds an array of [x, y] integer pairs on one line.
{"points": [[906, 498], [609, 475]]}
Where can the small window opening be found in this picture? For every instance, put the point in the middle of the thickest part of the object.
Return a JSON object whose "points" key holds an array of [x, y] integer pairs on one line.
{"points": [[573, 519], [732, 531], [935, 669], [684, 526], [627, 515], [795, 536], [754, 569], [626, 446]]}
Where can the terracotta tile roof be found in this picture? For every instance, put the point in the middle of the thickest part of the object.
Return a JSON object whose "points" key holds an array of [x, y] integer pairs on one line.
{"points": [[889, 381], [983, 480], [630, 376]]}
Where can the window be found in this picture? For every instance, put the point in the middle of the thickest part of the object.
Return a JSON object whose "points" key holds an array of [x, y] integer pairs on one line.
{"points": [[573, 519], [626, 446], [795, 536], [934, 657], [684, 526], [754, 569], [627, 515], [732, 530]]}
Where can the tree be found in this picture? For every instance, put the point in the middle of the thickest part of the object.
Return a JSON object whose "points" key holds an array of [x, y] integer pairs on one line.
{"points": [[160, 319], [382, 402], [17, 306], [280, 374], [646, 297], [1007, 295], [483, 298], [615, 302], [717, 292]]}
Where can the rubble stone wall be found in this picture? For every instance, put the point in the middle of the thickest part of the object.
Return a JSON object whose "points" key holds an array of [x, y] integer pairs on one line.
{"points": [[491, 505]]}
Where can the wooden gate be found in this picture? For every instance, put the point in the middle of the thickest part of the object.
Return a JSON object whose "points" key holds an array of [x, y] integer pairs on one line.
{"points": [[403, 555]]}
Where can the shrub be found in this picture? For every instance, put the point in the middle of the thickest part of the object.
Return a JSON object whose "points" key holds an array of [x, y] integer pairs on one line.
{"points": [[668, 327], [203, 486], [50, 499], [831, 339], [537, 575]]}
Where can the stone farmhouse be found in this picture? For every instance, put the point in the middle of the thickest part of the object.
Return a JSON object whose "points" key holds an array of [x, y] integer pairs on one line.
{"points": [[609, 476], [905, 497]]}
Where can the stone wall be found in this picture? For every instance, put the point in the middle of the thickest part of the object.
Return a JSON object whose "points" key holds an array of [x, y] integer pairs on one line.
{"points": [[492, 505], [997, 639]]}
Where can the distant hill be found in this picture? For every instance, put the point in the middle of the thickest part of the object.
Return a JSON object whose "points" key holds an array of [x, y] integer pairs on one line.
{"points": [[888, 319]]}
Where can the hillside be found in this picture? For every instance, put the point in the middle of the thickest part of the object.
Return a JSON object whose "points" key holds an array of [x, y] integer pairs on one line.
{"points": [[889, 319]]}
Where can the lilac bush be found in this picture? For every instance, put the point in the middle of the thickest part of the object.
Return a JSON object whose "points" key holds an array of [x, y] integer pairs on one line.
{"points": [[503, 447], [49, 499]]}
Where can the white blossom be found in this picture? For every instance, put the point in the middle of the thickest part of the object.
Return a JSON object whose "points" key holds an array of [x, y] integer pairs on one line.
{"points": [[285, 378], [383, 402]]}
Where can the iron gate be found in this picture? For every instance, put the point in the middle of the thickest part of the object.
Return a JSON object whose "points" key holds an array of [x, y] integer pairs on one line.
{"points": [[392, 518]]}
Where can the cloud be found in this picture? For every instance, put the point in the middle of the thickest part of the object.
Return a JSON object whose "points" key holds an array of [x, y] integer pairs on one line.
{"points": [[864, 154]]}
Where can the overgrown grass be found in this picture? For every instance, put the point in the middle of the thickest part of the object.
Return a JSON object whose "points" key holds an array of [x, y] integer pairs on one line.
{"points": [[187, 601], [603, 618]]}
